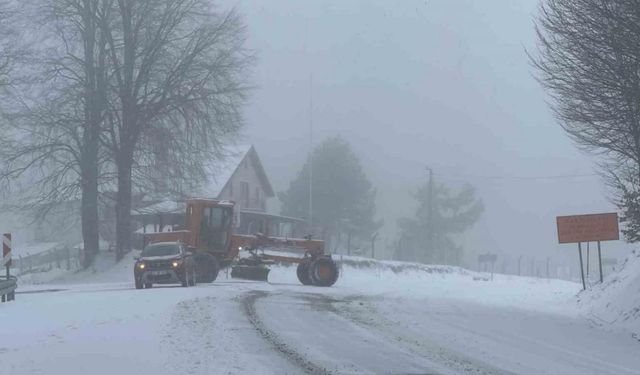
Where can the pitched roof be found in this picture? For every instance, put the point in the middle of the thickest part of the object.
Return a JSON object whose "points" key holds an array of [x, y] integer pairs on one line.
{"points": [[261, 173], [222, 171]]}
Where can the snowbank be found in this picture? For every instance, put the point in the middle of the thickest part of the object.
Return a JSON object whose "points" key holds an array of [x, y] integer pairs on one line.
{"points": [[104, 270], [41, 276], [404, 280], [616, 302], [35, 249], [397, 266]]}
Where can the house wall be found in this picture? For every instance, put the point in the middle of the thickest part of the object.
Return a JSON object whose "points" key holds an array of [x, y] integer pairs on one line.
{"points": [[246, 175]]}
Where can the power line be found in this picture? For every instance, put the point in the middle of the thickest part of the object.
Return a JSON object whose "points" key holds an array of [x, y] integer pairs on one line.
{"points": [[506, 177]]}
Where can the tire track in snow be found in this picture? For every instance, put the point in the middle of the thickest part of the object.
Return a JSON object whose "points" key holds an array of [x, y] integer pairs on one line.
{"points": [[574, 359], [361, 311], [248, 304], [334, 344], [207, 335], [189, 337], [372, 320]]}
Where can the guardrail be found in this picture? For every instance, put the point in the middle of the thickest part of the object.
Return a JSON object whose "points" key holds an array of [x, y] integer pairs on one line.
{"points": [[8, 287]]}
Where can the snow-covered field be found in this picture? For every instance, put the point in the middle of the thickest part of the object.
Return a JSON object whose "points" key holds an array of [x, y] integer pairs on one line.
{"points": [[381, 317]]}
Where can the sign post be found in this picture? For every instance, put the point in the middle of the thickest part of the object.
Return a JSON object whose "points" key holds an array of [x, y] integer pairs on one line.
{"points": [[600, 261], [6, 251], [488, 258], [588, 228], [584, 286]]}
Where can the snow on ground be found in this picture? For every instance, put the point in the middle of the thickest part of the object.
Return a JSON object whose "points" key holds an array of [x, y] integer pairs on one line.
{"points": [[380, 317], [615, 304], [465, 335], [40, 276], [36, 248], [417, 281], [104, 270]]}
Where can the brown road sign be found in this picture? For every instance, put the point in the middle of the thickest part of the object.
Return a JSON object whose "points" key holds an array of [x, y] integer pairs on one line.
{"points": [[587, 228]]}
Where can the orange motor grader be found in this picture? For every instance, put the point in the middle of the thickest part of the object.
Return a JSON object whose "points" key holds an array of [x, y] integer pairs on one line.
{"points": [[208, 234]]}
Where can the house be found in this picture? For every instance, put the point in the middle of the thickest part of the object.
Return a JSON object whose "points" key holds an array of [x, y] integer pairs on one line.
{"points": [[240, 178]]}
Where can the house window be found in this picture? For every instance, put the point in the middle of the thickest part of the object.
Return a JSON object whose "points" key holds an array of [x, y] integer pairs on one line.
{"points": [[244, 193], [231, 189], [256, 203]]}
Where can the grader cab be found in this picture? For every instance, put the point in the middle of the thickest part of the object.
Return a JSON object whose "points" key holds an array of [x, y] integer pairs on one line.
{"points": [[208, 231]]}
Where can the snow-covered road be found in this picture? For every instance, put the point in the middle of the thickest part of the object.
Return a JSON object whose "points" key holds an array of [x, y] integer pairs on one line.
{"points": [[359, 326]]}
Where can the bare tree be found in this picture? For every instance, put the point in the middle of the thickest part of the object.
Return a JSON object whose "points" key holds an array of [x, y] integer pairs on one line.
{"points": [[7, 52], [57, 108], [589, 61], [178, 76]]}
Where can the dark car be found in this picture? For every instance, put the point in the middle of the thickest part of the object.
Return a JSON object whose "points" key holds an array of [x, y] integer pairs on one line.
{"points": [[164, 263]]}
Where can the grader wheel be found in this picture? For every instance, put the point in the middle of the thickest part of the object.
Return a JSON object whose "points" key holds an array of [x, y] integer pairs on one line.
{"points": [[303, 273], [323, 272], [207, 268]]}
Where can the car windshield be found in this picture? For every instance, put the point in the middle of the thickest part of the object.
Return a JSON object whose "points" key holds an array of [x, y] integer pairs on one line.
{"points": [[160, 250]]}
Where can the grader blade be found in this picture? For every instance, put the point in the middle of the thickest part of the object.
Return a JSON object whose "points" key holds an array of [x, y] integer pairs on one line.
{"points": [[256, 273]]}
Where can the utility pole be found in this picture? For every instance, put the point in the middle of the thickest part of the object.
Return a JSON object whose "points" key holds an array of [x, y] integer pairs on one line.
{"points": [[430, 211], [310, 219]]}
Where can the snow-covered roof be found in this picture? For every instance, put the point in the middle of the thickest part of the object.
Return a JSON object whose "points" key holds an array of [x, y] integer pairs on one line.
{"points": [[166, 206], [221, 171]]}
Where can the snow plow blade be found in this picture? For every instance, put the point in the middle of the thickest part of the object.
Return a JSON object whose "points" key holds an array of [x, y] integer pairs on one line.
{"points": [[255, 273]]}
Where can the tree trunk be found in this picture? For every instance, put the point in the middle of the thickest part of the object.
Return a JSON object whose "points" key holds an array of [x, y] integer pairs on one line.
{"points": [[89, 208], [123, 204], [90, 140], [124, 156]]}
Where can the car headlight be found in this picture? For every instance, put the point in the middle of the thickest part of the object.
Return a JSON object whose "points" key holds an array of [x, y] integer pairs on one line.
{"points": [[141, 266], [176, 263]]}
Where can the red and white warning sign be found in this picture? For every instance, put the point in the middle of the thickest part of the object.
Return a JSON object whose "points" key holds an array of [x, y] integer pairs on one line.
{"points": [[6, 249]]}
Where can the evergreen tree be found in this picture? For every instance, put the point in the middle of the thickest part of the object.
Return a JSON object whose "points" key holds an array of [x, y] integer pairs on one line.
{"points": [[440, 215], [343, 197]]}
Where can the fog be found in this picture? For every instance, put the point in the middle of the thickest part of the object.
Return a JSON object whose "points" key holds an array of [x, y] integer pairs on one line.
{"points": [[143, 144], [441, 83]]}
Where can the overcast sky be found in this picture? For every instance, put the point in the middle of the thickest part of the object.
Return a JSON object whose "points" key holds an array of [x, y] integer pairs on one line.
{"points": [[443, 83]]}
